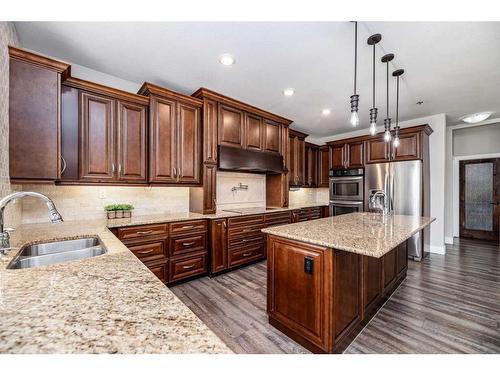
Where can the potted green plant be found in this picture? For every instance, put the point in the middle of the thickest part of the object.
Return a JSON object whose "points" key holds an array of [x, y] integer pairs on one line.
{"points": [[118, 211]]}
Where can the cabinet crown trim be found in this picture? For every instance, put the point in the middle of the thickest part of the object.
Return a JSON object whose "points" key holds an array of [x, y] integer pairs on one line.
{"points": [[43, 61], [149, 89], [425, 128], [97, 88], [209, 94]]}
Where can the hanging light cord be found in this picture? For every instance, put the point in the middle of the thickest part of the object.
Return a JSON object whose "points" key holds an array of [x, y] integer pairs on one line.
{"points": [[397, 102], [387, 64], [355, 53], [373, 76]]}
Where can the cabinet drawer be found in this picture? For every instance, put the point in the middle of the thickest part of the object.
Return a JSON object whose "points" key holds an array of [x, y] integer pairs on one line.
{"points": [[278, 218], [245, 231], [187, 244], [159, 269], [181, 268], [143, 231], [188, 226], [247, 254], [245, 220], [150, 250], [243, 241]]}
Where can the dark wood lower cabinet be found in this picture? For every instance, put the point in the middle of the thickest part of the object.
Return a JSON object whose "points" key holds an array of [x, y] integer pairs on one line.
{"points": [[323, 297]]}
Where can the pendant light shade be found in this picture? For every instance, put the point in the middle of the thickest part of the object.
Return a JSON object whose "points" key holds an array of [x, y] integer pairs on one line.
{"points": [[387, 121], [354, 120], [372, 41], [397, 74]]}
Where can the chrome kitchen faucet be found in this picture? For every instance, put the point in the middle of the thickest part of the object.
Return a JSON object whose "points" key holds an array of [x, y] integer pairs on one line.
{"points": [[54, 215]]}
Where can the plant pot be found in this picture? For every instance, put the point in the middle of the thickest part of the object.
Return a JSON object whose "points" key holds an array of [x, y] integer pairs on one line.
{"points": [[127, 214], [111, 214], [119, 214]]}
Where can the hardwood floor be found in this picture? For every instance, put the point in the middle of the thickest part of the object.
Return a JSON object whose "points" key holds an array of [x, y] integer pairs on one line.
{"points": [[447, 304]]}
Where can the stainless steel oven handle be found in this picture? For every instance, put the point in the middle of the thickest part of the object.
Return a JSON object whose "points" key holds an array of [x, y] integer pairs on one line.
{"points": [[346, 179], [346, 203]]}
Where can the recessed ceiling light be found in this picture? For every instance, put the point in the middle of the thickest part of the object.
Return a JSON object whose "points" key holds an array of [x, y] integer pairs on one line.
{"points": [[227, 59], [326, 112], [289, 91], [476, 117]]}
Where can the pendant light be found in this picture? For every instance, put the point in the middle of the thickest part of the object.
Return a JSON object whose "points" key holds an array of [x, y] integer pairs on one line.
{"points": [[372, 41], [355, 98], [387, 121], [397, 74]]}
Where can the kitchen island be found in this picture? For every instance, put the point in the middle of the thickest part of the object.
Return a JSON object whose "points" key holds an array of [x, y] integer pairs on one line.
{"points": [[328, 277]]}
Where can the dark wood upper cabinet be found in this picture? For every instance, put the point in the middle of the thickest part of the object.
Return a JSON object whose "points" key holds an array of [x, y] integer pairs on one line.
{"points": [[324, 166], [254, 132], [162, 140], [311, 165], [409, 147], [297, 157], [131, 124], [175, 141], [272, 136], [231, 126], [189, 144], [377, 150], [34, 116], [338, 156], [97, 147], [354, 152]]}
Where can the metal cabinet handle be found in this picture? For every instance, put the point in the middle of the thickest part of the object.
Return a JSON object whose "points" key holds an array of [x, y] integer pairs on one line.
{"points": [[180, 172], [119, 168], [224, 223], [187, 226], [113, 168], [64, 165], [145, 251], [175, 172], [247, 254], [188, 243], [145, 232], [188, 267]]}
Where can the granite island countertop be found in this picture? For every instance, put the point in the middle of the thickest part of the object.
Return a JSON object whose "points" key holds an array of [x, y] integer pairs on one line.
{"points": [[361, 232], [106, 304]]}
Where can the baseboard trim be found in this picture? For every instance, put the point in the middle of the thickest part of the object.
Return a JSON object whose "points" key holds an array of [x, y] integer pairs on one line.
{"points": [[448, 240], [438, 249]]}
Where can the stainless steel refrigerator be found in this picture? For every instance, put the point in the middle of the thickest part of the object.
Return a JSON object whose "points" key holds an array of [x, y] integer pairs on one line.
{"points": [[406, 185]]}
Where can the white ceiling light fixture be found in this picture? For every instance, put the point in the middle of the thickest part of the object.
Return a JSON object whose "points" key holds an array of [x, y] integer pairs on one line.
{"points": [[288, 91], [476, 117], [326, 112], [227, 59]]}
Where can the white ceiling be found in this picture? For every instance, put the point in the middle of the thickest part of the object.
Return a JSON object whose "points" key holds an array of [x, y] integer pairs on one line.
{"points": [[453, 67]]}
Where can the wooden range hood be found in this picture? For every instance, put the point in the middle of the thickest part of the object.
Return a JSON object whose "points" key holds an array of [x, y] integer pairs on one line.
{"points": [[235, 159]]}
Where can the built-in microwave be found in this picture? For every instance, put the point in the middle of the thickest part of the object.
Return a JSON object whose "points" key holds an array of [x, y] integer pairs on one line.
{"points": [[346, 184]]}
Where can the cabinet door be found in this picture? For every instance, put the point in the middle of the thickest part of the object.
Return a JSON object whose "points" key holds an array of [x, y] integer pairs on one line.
{"points": [[324, 166], [131, 119], [209, 188], [272, 136], [188, 144], [254, 132], [301, 162], [218, 245], [338, 156], [402, 257], [377, 150], [292, 167], [354, 155], [231, 126], [311, 172], [409, 147], [372, 282], [97, 158], [162, 140], [389, 269]]}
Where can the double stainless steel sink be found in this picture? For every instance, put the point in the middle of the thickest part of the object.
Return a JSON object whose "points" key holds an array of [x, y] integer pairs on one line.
{"points": [[43, 254]]}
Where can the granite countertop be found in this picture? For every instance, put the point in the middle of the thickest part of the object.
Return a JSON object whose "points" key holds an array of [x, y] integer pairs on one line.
{"points": [[107, 304], [362, 233], [181, 216]]}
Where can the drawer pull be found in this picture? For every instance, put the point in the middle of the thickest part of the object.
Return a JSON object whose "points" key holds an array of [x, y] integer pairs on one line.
{"points": [[145, 232], [188, 243], [188, 267], [145, 251], [188, 226], [247, 254]]}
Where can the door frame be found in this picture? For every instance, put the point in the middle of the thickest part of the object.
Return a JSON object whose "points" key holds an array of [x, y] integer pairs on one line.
{"points": [[456, 188], [461, 166]]}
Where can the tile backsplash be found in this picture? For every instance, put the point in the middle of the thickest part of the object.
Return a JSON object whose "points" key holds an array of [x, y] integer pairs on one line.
{"points": [[307, 196], [87, 202]]}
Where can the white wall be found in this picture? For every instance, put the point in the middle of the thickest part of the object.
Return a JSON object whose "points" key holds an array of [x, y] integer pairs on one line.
{"points": [[437, 146]]}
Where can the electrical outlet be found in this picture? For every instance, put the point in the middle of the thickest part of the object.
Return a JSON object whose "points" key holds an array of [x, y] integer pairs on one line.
{"points": [[102, 193]]}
